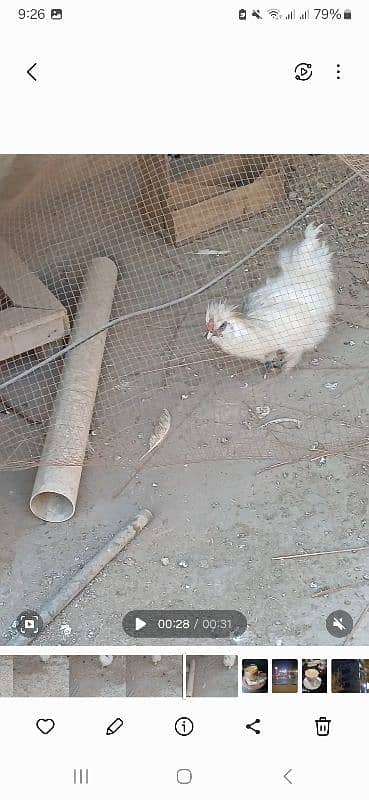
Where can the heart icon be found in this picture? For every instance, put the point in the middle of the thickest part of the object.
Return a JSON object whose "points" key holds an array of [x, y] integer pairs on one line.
{"points": [[45, 725]]}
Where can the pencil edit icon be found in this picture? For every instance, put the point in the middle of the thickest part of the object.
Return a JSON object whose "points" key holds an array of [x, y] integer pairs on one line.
{"points": [[114, 726]]}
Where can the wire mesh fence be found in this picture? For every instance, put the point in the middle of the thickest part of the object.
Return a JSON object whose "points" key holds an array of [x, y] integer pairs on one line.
{"points": [[184, 231]]}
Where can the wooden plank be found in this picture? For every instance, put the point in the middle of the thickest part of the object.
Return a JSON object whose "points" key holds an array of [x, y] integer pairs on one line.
{"points": [[205, 182], [33, 396], [23, 329], [21, 286], [155, 190], [266, 190]]}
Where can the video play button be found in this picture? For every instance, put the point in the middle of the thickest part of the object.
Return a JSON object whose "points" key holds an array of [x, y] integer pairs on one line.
{"points": [[139, 624]]}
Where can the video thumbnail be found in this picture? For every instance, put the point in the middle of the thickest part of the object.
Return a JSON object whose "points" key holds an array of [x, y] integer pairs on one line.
{"points": [[350, 676], [254, 675], [211, 676], [284, 676], [314, 676], [90, 676], [183, 392]]}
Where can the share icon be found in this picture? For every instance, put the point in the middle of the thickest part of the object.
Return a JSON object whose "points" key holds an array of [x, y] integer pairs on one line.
{"points": [[250, 726]]}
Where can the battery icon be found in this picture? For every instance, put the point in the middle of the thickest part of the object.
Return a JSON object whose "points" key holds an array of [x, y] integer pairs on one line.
{"points": [[347, 14]]}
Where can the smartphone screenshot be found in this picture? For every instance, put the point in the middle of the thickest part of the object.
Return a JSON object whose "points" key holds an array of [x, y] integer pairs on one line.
{"points": [[184, 424]]}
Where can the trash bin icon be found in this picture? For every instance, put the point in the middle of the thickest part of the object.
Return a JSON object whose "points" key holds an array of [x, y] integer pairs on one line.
{"points": [[322, 726]]}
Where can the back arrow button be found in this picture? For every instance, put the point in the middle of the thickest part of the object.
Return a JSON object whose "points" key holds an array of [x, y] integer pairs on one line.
{"points": [[29, 71], [286, 774]]}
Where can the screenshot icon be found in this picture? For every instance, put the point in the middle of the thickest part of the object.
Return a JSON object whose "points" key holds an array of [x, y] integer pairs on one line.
{"points": [[29, 623]]}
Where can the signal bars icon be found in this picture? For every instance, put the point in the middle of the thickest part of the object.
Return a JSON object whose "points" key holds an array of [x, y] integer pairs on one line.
{"points": [[305, 15], [291, 15]]}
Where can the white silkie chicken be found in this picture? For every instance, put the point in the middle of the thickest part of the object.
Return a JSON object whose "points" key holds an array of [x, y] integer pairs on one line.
{"points": [[291, 313]]}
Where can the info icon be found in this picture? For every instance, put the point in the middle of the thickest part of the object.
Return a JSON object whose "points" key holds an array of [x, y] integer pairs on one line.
{"points": [[183, 726], [29, 623]]}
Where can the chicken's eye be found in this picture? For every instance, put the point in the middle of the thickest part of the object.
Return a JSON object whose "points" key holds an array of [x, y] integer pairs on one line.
{"points": [[222, 327]]}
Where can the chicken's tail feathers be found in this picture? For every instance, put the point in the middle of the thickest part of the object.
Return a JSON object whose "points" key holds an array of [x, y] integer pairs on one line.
{"points": [[312, 254]]}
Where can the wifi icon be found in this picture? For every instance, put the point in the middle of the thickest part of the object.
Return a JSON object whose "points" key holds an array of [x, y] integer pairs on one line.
{"points": [[275, 13]]}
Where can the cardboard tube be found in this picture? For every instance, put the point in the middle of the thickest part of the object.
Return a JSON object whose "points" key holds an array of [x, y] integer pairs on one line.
{"points": [[57, 481]]}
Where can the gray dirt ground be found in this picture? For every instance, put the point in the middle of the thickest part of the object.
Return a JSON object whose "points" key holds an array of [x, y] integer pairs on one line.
{"points": [[227, 494], [6, 676], [213, 679], [88, 678], [35, 678], [145, 679]]}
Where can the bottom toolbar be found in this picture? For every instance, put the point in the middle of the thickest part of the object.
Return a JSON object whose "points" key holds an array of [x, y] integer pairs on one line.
{"points": [[114, 746]]}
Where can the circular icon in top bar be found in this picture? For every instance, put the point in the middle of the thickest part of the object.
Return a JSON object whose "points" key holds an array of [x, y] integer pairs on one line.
{"points": [[339, 624], [29, 623], [303, 71]]}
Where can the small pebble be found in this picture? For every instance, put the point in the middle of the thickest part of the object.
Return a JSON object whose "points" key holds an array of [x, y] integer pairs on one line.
{"points": [[154, 485], [350, 343], [164, 561], [243, 385], [183, 563], [184, 396], [313, 585], [224, 440], [322, 461], [262, 411], [331, 386]]}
